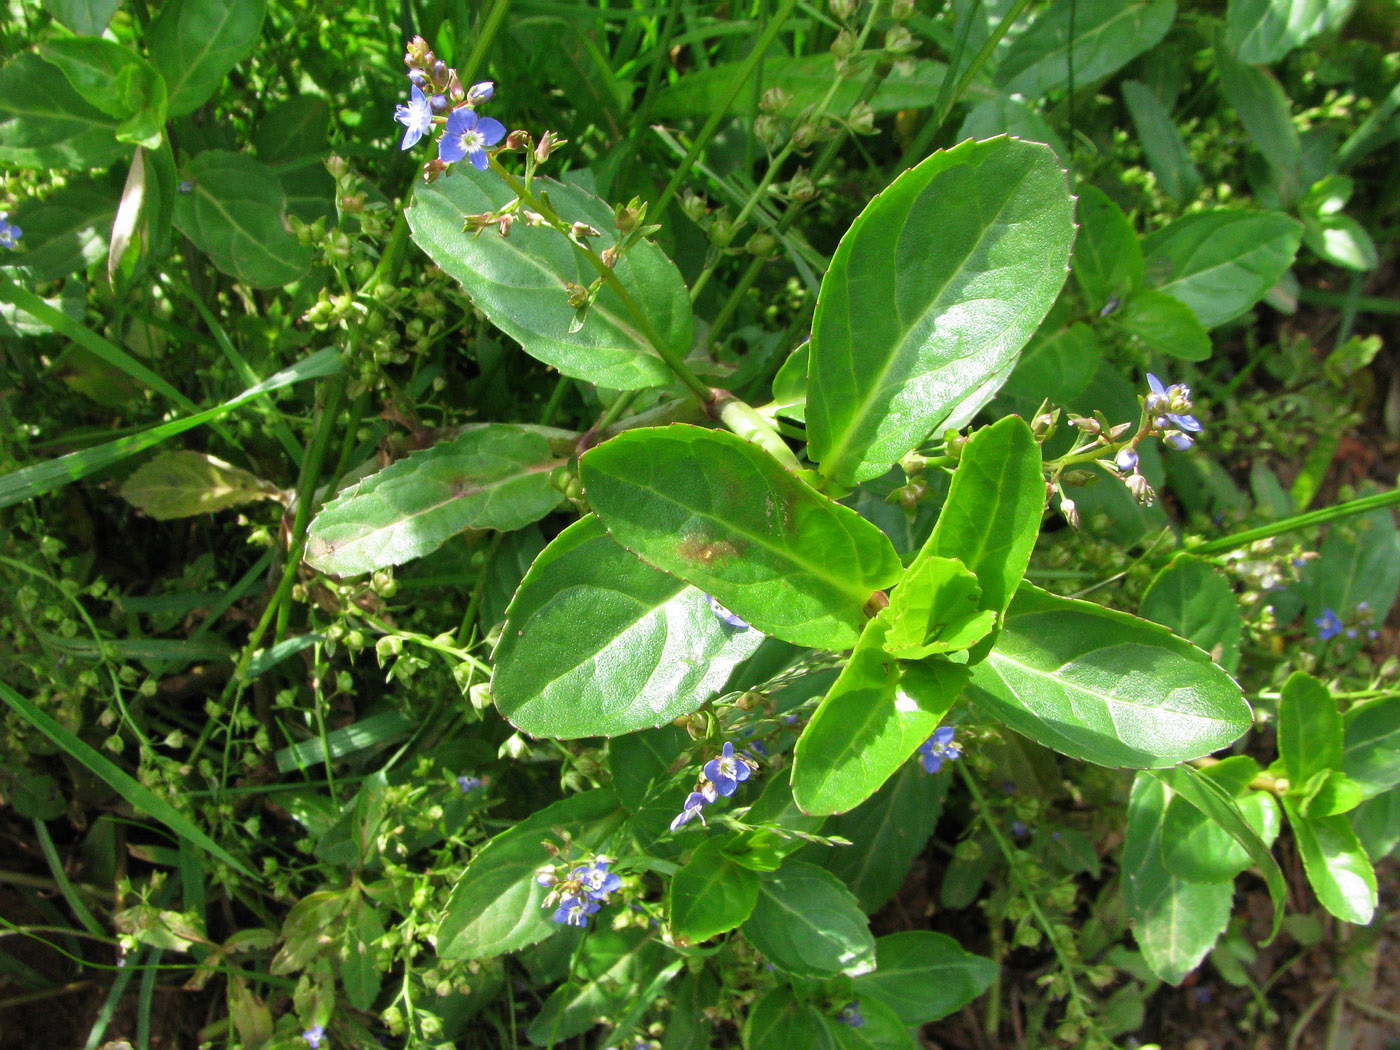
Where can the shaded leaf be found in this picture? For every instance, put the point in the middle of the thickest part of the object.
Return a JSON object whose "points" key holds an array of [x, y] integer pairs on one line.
{"points": [[808, 925], [181, 484], [1166, 151], [1263, 31], [1371, 752], [1196, 601], [710, 894], [925, 976], [1107, 34], [194, 43], [44, 123]]}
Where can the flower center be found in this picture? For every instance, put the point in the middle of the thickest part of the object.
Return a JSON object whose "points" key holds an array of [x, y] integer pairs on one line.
{"points": [[472, 141]]}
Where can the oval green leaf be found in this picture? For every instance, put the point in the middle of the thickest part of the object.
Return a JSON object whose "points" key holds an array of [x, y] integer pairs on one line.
{"points": [[1091, 37], [496, 906], [596, 643], [495, 476], [1371, 753], [720, 513], [233, 213], [194, 43], [710, 894], [924, 976], [518, 281], [1309, 729], [44, 123], [1335, 864], [1105, 686], [808, 925], [875, 716], [930, 297], [1195, 601], [1222, 262]]}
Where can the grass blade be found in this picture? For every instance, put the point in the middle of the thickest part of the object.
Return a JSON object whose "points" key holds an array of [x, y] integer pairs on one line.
{"points": [[141, 797]]}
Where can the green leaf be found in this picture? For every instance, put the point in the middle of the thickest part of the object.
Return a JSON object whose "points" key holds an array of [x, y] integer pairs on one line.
{"points": [[518, 281], [778, 1021], [1263, 31], [1263, 110], [233, 213], [790, 385], [598, 644], [636, 760], [1195, 600], [35, 480], [44, 123], [710, 894], [84, 17], [875, 716], [1166, 151], [293, 131], [1105, 686], [1001, 113], [1371, 752], [65, 233], [1221, 262], [911, 85], [194, 44], [1057, 364], [612, 966], [998, 479], [887, 831], [935, 610], [359, 971], [720, 513], [1197, 848], [1340, 240], [493, 476], [185, 483], [1328, 793], [496, 906], [1217, 803], [113, 78], [1336, 865], [808, 925], [1377, 824], [1107, 256], [929, 298], [925, 976], [1175, 922], [1106, 35], [136, 794], [880, 1028], [1164, 325], [1309, 729]]}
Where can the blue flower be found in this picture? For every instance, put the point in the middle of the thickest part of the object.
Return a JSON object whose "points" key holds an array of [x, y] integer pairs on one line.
{"points": [[1169, 405], [314, 1035], [727, 772], [9, 232], [1328, 625], [694, 803], [1019, 829], [597, 881], [850, 1014], [1109, 307], [468, 784], [937, 748], [724, 614], [574, 911], [468, 135], [416, 115]]}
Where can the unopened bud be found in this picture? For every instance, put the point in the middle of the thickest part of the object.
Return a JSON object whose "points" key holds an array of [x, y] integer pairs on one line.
{"points": [[693, 205], [843, 9], [1043, 425], [352, 203], [913, 463], [578, 294], [609, 257], [337, 165], [911, 494], [480, 92], [433, 170], [581, 231], [954, 442], [440, 71], [519, 139], [862, 119], [1127, 458], [901, 9], [844, 45], [721, 232], [1141, 490], [627, 217], [748, 701], [549, 142], [899, 41], [760, 244], [805, 134], [801, 188], [1071, 512], [767, 128], [774, 100], [454, 88]]}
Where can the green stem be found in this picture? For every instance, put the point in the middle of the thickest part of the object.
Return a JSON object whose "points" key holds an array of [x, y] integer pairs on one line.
{"points": [[741, 77], [1300, 521], [484, 39]]}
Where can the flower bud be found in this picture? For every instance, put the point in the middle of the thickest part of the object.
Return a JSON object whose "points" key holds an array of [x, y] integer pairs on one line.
{"points": [[843, 9], [337, 165], [581, 231], [610, 257], [433, 170], [801, 188], [721, 231], [454, 88], [767, 128], [1127, 459], [804, 134], [1070, 510], [480, 92], [518, 139], [844, 45], [862, 119], [1141, 490], [578, 294], [761, 244], [693, 205], [549, 142], [899, 41], [913, 463], [900, 10], [910, 494], [774, 100]]}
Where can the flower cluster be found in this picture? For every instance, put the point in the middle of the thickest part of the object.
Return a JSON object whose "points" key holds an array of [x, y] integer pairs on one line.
{"points": [[850, 1014], [435, 90], [937, 749], [314, 1036], [1329, 625], [581, 893], [1169, 408], [9, 232], [468, 784], [720, 777]]}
